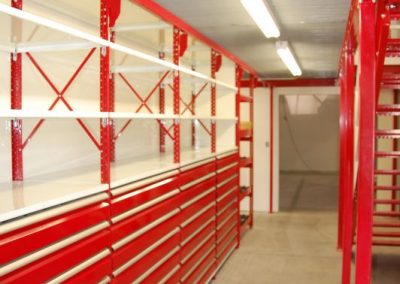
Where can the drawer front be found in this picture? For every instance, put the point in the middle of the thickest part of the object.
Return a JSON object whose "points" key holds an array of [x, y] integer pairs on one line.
{"points": [[190, 245], [144, 197], [95, 273], [135, 244], [227, 172], [221, 247], [198, 222], [201, 268], [190, 212], [39, 231], [223, 231], [197, 172], [195, 193], [209, 274], [228, 184], [224, 217], [223, 162], [197, 255], [132, 224], [165, 272], [225, 253], [141, 267], [227, 198], [58, 259]]}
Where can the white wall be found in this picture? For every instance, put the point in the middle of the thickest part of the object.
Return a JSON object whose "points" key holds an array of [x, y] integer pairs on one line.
{"points": [[309, 140]]}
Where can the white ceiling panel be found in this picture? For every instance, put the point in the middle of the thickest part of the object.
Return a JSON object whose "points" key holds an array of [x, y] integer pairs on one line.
{"points": [[314, 29]]}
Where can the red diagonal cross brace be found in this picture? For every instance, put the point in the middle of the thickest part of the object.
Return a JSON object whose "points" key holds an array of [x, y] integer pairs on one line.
{"points": [[143, 103], [60, 97]]}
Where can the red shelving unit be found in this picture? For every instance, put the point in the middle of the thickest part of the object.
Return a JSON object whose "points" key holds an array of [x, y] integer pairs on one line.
{"points": [[170, 216], [245, 140]]}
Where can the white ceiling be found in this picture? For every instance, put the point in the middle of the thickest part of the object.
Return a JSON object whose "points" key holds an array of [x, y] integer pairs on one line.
{"points": [[314, 29]]}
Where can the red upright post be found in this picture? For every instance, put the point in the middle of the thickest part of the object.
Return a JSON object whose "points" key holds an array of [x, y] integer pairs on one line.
{"points": [[395, 146], [347, 159], [16, 100], [213, 101], [176, 99], [367, 140], [105, 127], [252, 87], [343, 145], [161, 93], [112, 109], [238, 75], [271, 150]]}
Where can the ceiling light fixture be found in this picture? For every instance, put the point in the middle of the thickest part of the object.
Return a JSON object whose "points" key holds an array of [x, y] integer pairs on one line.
{"points": [[284, 52], [261, 14]]}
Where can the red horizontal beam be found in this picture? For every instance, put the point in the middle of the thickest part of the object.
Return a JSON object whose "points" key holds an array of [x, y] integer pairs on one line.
{"points": [[328, 82], [171, 18]]}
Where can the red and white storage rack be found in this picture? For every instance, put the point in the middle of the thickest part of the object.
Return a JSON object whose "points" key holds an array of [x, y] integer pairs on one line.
{"points": [[369, 76], [244, 140], [169, 215]]}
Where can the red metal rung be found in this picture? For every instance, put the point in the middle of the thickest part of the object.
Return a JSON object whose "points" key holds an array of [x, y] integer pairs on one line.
{"points": [[386, 225], [387, 154], [387, 234], [392, 133], [386, 243], [388, 109], [387, 187], [387, 172], [386, 214], [386, 201]]}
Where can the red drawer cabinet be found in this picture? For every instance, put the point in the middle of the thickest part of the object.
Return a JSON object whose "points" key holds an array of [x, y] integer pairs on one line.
{"points": [[227, 160], [198, 170], [62, 242], [176, 227]]}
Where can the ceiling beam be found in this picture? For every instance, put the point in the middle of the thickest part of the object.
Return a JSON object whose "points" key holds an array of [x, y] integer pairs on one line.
{"points": [[327, 82]]}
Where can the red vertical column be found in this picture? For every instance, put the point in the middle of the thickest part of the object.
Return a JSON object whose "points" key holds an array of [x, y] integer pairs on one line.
{"points": [[347, 160], [271, 150], [395, 148], [367, 141], [176, 87], [252, 86], [238, 79], [193, 101], [213, 101], [16, 100], [112, 109], [343, 145], [161, 94], [105, 127]]}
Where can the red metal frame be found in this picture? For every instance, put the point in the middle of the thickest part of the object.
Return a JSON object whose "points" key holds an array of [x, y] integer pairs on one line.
{"points": [[169, 17], [176, 99], [347, 157], [395, 147], [271, 150], [105, 125], [328, 82], [238, 79], [368, 67], [161, 93], [215, 64], [16, 102]]}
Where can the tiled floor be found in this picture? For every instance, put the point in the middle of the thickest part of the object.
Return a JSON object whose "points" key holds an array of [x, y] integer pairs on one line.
{"points": [[298, 245]]}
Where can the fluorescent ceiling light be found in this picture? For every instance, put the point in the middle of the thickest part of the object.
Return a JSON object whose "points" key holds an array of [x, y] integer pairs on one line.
{"points": [[263, 17], [284, 52]]}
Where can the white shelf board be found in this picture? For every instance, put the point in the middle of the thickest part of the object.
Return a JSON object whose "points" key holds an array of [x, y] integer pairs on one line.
{"points": [[52, 189], [42, 192], [141, 27], [51, 114], [142, 115], [104, 43], [54, 46], [12, 114], [138, 69]]}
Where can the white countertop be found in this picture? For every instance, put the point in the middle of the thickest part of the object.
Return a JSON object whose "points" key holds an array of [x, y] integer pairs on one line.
{"points": [[37, 193]]}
